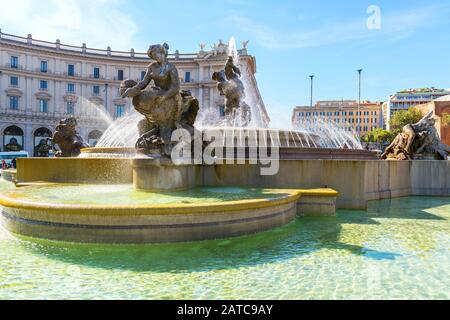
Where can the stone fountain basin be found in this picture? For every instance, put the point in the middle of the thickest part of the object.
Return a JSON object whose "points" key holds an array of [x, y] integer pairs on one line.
{"points": [[28, 211]]}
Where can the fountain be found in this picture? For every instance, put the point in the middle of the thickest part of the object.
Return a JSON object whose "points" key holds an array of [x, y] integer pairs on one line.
{"points": [[91, 199], [313, 140], [162, 174]]}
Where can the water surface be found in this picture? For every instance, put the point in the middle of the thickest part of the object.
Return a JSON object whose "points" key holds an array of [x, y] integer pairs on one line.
{"points": [[399, 249]]}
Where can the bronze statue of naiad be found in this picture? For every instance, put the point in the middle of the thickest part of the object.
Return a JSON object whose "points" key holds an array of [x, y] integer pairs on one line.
{"points": [[67, 139], [164, 106], [417, 141], [229, 84]]}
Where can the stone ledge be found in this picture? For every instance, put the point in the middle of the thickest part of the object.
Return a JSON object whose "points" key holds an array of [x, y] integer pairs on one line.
{"points": [[317, 206]]}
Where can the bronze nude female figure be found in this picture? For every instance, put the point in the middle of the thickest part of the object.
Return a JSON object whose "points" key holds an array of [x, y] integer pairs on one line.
{"points": [[163, 105]]}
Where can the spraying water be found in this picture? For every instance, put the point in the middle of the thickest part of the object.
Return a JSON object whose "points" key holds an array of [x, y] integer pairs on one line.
{"points": [[122, 133], [315, 133], [232, 49], [331, 135], [95, 110]]}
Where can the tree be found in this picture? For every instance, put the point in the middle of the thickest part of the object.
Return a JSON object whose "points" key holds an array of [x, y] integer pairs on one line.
{"points": [[379, 136], [382, 136], [367, 138], [403, 117]]}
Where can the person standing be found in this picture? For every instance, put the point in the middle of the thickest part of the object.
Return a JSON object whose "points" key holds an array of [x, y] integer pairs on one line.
{"points": [[4, 165], [13, 163]]}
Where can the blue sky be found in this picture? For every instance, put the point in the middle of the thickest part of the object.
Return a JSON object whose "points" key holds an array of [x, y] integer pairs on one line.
{"points": [[290, 39]]}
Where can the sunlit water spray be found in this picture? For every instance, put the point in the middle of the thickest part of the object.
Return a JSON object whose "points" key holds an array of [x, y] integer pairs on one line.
{"points": [[315, 133], [92, 109], [122, 133], [332, 135]]}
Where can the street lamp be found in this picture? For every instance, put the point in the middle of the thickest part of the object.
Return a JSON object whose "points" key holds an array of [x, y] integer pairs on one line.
{"points": [[359, 103], [312, 79]]}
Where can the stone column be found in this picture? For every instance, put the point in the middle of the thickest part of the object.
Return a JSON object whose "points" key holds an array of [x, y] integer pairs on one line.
{"points": [[29, 103], [28, 139]]}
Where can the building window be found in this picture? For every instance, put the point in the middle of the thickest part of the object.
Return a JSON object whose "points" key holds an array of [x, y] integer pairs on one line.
{"points": [[120, 111], [97, 73], [70, 70], [43, 85], [143, 73], [70, 107], [71, 87], [14, 81], [14, 103], [96, 90], [93, 137], [13, 139], [42, 145], [187, 76], [120, 75], [43, 105], [44, 66], [14, 62]]}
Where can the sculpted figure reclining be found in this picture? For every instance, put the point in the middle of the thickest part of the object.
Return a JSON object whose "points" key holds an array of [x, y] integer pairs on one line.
{"points": [[416, 139]]}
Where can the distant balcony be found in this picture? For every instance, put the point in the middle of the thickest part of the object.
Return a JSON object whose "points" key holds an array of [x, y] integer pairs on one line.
{"points": [[191, 81], [9, 66], [73, 74], [91, 76]]}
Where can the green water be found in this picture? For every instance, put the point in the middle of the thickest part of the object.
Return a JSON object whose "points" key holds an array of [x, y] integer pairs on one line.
{"points": [[126, 195], [399, 249]]}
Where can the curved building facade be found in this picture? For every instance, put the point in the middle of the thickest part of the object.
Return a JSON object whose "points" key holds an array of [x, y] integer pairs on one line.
{"points": [[42, 82]]}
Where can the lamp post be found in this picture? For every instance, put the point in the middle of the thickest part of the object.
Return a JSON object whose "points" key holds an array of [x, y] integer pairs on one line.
{"points": [[359, 103], [312, 80]]}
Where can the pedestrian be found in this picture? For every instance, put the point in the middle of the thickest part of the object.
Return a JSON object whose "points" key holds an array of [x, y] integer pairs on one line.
{"points": [[4, 165], [13, 163]]}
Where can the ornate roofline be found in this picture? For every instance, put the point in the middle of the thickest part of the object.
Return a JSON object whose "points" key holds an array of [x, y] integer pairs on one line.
{"points": [[130, 56]]}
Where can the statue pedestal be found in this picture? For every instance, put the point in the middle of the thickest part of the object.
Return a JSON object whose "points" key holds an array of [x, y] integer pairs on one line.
{"points": [[424, 156], [162, 175]]}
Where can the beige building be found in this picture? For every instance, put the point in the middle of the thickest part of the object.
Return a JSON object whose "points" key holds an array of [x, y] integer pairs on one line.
{"points": [[42, 82], [343, 113]]}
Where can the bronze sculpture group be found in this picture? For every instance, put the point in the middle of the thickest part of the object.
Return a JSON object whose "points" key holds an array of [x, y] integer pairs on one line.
{"points": [[67, 139], [165, 108], [229, 84], [417, 141]]}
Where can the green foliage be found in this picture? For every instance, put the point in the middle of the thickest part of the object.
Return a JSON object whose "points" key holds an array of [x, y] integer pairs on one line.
{"points": [[403, 117], [382, 136], [445, 120], [378, 136]]}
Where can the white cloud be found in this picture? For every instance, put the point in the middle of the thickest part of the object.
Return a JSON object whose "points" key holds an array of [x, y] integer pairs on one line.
{"points": [[98, 23], [398, 24]]}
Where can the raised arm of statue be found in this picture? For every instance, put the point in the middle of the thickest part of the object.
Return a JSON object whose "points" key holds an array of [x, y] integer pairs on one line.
{"points": [[147, 79]]}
